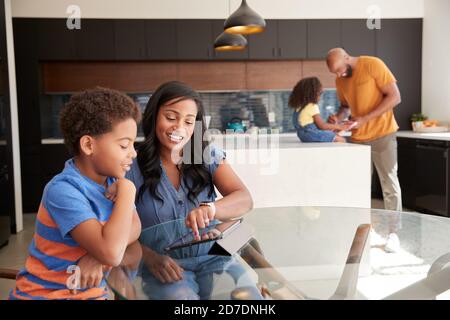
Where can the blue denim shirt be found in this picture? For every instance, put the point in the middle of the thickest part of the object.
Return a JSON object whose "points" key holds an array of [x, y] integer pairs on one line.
{"points": [[175, 204]]}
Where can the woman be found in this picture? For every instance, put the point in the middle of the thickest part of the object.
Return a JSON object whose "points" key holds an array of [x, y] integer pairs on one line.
{"points": [[175, 174]]}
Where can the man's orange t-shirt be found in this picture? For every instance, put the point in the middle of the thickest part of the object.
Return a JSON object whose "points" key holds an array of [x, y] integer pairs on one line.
{"points": [[362, 93]]}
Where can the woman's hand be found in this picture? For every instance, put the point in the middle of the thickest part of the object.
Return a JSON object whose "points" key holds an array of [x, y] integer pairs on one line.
{"points": [[164, 268], [91, 272], [199, 218]]}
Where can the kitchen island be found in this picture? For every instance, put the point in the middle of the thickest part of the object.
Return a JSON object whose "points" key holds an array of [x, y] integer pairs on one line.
{"points": [[279, 170]]}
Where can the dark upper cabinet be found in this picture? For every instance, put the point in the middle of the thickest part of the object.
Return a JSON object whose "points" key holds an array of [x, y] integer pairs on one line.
{"points": [[217, 29], [95, 40], [399, 45], [264, 45], [55, 41], [357, 39], [194, 40], [292, 39], [323, 35], [161, 39], [129, 39]]}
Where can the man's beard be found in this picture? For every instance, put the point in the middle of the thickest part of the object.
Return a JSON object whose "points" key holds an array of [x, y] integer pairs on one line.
{"points": [[348, 72]]}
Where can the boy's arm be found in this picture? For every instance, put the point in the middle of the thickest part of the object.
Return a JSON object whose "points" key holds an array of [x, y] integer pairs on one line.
{"points": [[108, 243], [135, 228]]}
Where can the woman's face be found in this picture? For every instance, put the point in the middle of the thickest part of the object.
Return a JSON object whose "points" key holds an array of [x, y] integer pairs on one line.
{"points": [[175, 123]]}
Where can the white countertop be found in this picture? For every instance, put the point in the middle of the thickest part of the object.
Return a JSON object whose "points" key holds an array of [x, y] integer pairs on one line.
{"points": [[445, 136]]}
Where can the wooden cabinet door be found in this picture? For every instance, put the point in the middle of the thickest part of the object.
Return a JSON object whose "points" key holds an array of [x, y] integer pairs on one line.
{"points": [[194, 40], [323, 35], [292, 39]]}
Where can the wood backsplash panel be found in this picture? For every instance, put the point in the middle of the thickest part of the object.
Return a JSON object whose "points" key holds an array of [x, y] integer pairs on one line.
{"points": [[319, 69], [266, 75], [144, 77], [213, 75], [207, 75], [72, 76], [125, 76]]}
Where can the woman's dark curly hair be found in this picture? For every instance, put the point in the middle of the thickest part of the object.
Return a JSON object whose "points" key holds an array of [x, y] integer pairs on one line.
{"points": [[194, 172], [305, 91], [94, 112]]}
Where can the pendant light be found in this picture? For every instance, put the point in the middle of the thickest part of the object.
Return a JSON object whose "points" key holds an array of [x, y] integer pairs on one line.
{"points": [[244, 21], [230, 42]]}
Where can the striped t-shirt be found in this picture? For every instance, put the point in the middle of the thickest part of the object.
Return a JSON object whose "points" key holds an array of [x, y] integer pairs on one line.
{"points": [[68, 200]]}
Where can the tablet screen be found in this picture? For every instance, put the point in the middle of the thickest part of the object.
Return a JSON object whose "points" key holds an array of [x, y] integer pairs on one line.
{"points": [[212, 233]]}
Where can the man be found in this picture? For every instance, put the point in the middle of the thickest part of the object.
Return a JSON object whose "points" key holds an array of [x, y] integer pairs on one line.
{"points": [[368, 89]]}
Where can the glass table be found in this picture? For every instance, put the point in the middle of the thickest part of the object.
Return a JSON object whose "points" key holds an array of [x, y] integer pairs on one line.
{"points": [[297, 253]]}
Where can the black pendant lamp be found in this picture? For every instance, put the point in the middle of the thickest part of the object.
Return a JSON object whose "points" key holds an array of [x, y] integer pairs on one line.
{"points": [[244, 21], [230, 42]]}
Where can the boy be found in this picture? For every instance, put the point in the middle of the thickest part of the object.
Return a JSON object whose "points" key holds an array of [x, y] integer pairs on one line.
{"points": [[87, 216]]}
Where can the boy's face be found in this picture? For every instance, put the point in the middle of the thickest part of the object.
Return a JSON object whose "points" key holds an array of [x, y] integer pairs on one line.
{"points": [[113, 152], [175, 123]]}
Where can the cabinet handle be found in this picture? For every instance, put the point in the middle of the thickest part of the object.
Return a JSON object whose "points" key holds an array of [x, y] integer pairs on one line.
{"points": [[435, 148]]}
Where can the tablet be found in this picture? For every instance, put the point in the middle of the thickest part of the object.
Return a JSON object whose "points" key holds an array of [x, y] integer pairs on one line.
{"points": [[208, 234]]}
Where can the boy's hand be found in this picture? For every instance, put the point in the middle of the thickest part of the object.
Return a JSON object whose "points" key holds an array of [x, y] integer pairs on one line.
{"points": [[120, 185], [91, 272]]}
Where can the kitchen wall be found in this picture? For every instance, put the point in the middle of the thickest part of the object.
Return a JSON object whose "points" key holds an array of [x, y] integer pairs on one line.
{"points": [[436, 62], [219, 9]]}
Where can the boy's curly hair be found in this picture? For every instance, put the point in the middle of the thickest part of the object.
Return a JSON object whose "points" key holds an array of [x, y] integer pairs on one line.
{"points": [[305, 91], [94, 112]]}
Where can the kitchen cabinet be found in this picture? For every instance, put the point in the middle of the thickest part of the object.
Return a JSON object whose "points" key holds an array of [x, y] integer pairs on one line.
{"points": [[399, 45], [357, 39], [264, 46], [194, 40], [55, 40], [129, 39], [406, 154], [431, 187], [323, 35], [292, 39], [424, 175], [161, 39], [282, 39], [95, 39]]}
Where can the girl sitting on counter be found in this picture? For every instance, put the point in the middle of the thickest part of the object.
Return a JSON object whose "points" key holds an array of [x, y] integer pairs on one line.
{"points": [[306, 117]]}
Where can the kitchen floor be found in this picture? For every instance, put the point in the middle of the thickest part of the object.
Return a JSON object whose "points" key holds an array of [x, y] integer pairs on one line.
{"points": [[14, 254]]}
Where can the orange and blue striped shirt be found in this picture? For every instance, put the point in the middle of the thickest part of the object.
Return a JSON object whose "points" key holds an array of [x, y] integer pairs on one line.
{"points": [[68, 200]]}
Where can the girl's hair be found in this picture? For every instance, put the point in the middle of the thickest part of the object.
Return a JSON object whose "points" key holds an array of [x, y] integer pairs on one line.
{"points": [[305, 91], [194, 173]]}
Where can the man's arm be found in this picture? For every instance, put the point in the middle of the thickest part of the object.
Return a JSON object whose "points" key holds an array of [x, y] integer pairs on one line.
{"points": [[391, 99]]}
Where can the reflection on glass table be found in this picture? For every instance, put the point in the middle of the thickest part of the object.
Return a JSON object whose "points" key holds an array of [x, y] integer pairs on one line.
{"points": [[298, 253]]}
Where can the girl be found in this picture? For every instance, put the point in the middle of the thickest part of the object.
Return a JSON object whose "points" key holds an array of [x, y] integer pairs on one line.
{"points": [[306, 117], [175, 181]]}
